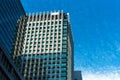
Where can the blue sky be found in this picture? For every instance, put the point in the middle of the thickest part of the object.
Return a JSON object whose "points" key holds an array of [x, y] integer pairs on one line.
{"points": [[96, 31]]}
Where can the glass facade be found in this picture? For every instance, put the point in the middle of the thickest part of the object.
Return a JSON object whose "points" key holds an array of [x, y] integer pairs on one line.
{"points": [[7, 69], [10, 12], [77, 75], [44, 66]]}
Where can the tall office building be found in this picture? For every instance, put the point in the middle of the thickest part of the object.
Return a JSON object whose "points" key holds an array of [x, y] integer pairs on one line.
{"points": [[77, 75], [10, 12], [46, 46]]}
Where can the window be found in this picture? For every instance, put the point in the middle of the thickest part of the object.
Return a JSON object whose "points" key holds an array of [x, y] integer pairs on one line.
{"points": [[50, 37], [51, 30], [59, 30], [55, 26], [32, 28], [49, 17], [46, 50], [44, 23], [38, 46], [65, 34], [64, 31], [52, 17], [46, 46], [28, 28], [54, 45], [50, 45], [37, 24], [56, 22], [58, 45], [55, 38], [47, 30], [43, 27], [48, 23], [64, 50], [40, 35], [64, 38], [38, 18], [30, 18], [32, 31], [40, 24], [59, 33], [64, 42], [42, 50], [44, 30], [34, 42], [52, 23], [30, 47], [45, 17], [33, 24], [55, 30], [65, 27], [41, 16], [34, 18], [56, 17], [65, 23], [46, 42], [43, 42], [47, 38], [48, 27], [51, 51], [64, 46], [36, 28], [43, 34], [51, 34], [59, 37], [50, 42], [35, 39], [28, 32], [36, 32], [51, 26], [30, 24], [58, 49], [42, 46], [59, 22], [40, 27]]}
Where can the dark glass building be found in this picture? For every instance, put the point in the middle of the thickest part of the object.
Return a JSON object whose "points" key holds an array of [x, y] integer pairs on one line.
{"points": [[7, 69], [10, 12], [77, 75]]}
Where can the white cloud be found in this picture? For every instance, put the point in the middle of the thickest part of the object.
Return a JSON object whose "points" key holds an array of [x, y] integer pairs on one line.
{"points": [[101, 76]]}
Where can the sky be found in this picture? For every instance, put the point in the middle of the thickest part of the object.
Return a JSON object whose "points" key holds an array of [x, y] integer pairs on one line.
{"points": [[96, 33]]}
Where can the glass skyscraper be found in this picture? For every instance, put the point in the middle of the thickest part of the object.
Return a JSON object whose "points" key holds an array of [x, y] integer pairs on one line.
{"points": [[44, 44], [10, 12], [77, 75]]}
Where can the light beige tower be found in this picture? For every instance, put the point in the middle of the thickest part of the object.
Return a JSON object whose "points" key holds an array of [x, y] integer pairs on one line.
{"points": [[47, 48]]}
